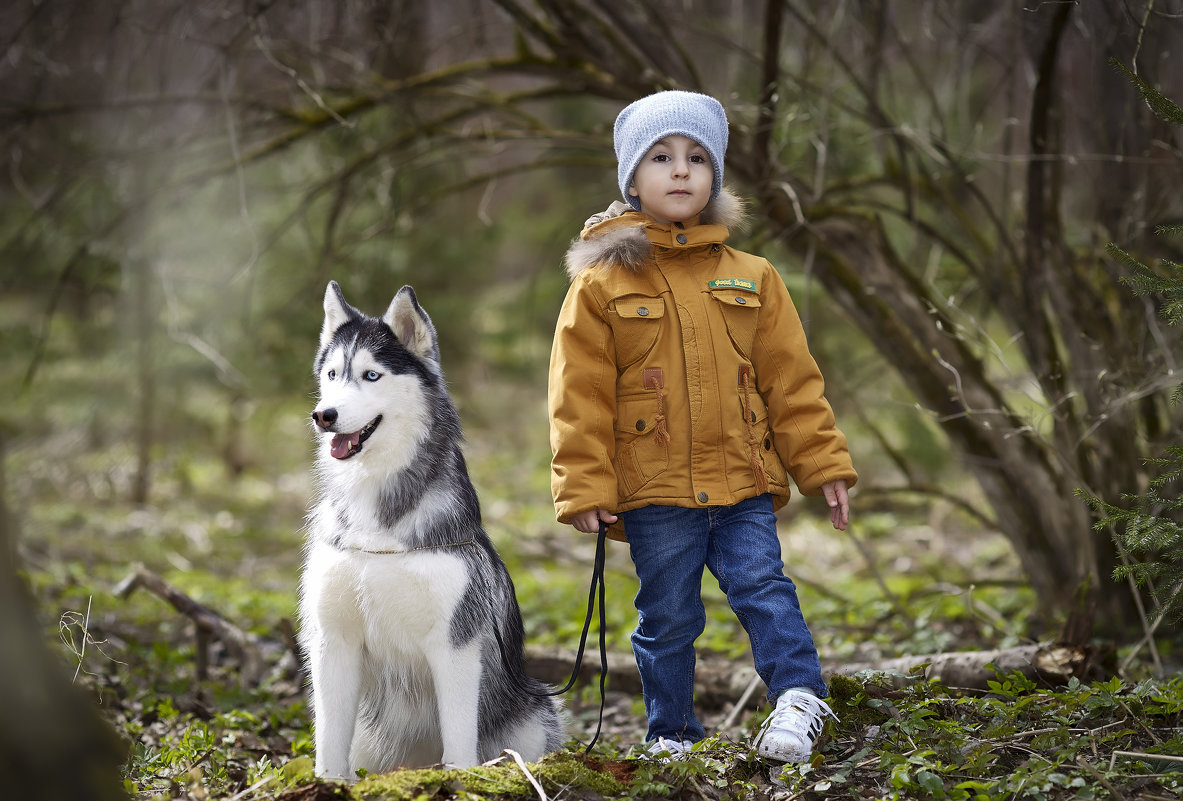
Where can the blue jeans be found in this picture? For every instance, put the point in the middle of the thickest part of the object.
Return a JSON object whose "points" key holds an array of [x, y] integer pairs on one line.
{"points": [[670, 546]]}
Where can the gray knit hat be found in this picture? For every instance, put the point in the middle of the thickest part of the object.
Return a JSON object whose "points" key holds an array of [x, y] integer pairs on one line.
{"points": [[649, 120]]}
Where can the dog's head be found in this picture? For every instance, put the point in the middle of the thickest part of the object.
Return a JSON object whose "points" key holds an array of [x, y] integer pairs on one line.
{"points": [[374, 376]]}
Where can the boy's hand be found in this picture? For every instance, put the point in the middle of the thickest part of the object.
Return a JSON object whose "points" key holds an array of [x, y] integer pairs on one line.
{"points": [[839, 503], [589, 522]]}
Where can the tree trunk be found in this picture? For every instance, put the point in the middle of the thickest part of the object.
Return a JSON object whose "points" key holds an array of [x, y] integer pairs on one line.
{"points": [[1033, 498], [144, 317]]}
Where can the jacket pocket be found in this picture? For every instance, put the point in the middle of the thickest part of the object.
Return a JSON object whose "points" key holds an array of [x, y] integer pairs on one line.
{"points": [[637, 326], [765, 448], [741, 312], [640, 455]]}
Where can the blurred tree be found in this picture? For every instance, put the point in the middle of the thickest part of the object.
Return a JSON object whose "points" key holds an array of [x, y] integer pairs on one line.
{"points": [[54, 746], [948, 172]]}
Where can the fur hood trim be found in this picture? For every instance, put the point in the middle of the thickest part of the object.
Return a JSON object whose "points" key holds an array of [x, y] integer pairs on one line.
{"points": [[616, 237]]}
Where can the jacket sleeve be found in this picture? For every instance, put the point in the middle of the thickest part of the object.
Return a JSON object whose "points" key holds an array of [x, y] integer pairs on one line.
{"points": [[582, 406], [808, 441]]}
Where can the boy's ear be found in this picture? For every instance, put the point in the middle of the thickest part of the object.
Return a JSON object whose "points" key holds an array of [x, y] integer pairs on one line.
{"points": [[412, 326], [337, 312], [632, 190]]}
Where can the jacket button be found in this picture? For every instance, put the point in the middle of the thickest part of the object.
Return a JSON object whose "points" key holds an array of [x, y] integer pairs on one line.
{"points": [[643, 312], [703, 497], [681, 239], [767, 444], [741, 301], [753, 415], [640, 425]]}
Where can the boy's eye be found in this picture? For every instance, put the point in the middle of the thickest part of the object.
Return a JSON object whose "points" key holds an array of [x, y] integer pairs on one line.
{"points": [[661, 157], [371, 375], [698, 158]]}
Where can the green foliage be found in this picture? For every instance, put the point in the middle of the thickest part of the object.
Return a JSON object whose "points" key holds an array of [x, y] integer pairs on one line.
{"points": [[1166, 109], [1149, 529], [1165, 283], [924, 741], [1019, 740]]}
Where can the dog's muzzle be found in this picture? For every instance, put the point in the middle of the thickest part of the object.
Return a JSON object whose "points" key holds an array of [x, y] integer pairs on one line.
{"points": [[343, 445]]}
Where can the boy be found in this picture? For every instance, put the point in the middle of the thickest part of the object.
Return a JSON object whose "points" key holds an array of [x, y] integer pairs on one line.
{"points": [[682, 396]]}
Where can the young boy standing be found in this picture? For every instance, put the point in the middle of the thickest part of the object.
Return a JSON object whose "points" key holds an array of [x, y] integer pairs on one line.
{"points": [[682, 397]]}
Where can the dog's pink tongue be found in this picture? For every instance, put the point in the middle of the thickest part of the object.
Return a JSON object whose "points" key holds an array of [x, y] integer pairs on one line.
{"points": [[342, 444]]}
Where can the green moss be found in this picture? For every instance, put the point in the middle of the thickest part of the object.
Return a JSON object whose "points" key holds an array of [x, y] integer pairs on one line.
{"points": [[503, 780], [844, 689], [402, 784], [848, 699]]}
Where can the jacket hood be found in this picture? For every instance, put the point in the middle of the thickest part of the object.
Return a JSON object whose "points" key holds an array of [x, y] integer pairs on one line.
{"points": [[616, 236]]}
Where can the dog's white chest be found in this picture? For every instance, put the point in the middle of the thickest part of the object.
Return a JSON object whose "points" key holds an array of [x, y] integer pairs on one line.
{"points": [[393, 601]]}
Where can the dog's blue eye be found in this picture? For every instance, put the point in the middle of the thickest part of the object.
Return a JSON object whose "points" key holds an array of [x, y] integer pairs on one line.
{"points": [[332, 374], [371, 375]]}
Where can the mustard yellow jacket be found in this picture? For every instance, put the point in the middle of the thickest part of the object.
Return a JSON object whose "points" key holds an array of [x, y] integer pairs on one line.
{"points": [[680, 374]]}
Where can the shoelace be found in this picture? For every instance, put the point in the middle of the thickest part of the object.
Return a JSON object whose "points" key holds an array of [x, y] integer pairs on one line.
{"points": [[798, 712]]}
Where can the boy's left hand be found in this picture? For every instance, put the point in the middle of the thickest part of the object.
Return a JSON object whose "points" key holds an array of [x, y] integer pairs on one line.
{"points": [[839, 503]]}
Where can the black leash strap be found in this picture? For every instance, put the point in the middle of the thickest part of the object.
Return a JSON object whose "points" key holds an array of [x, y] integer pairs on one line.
{"points": [[597, 588]]}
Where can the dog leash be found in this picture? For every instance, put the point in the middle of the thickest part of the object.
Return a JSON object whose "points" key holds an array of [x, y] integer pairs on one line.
{"points": [[597, 590]]}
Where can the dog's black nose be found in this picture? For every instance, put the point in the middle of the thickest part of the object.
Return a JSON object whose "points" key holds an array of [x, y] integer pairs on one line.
{"points": [[324, 418]]}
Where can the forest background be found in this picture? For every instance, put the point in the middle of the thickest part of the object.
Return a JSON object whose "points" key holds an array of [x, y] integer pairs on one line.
{"points": [[937, 181]]}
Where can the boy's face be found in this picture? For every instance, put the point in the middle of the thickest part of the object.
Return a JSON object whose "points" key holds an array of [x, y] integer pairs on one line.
{"points": [[673, 180]]}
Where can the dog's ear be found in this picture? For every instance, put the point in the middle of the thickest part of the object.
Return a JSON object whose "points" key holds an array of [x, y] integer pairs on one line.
{"points": [[412, 326], [337, 312]]}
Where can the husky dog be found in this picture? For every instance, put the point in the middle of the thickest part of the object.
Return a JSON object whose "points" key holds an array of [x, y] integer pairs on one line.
{"points": [[408, 616]]}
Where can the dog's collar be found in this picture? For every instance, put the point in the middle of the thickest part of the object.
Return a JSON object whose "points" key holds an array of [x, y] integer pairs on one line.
{"points": [[410, 550]]}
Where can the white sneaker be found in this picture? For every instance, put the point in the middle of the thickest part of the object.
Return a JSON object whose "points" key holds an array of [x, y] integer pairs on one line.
{"points": [[791, 730], [664, 749]]}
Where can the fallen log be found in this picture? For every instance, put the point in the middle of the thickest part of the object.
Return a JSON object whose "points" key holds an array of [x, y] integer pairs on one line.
{"points": [[1051, 663], [720, 682]]}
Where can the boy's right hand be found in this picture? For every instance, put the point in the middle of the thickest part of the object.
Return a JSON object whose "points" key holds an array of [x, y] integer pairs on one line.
{"points": [[589, 522]]}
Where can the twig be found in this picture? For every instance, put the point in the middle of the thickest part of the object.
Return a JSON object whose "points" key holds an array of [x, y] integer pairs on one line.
{"points": [[729, 721], [1137, 720], [1148, 636], [1139, 755], [521, 763], [241, 644], [85, 636], [67, 620], [1108, 785], [248, 790]]}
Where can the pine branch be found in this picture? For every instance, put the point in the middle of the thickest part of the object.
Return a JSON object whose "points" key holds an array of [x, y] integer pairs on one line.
{"points": [[1163, 107]]}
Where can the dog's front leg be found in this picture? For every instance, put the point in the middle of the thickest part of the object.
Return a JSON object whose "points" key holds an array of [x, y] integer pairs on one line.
{"points": [[456, 673], [336, 689]]}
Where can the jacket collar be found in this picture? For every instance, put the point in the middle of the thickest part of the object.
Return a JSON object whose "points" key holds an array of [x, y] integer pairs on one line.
{"points": [[622, 237]]}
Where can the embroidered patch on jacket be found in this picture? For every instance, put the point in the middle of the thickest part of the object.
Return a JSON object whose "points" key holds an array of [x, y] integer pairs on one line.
{"points": [[732, 283]]}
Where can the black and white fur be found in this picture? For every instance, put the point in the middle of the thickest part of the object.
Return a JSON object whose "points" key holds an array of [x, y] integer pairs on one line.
{"points": [[408, 616]]}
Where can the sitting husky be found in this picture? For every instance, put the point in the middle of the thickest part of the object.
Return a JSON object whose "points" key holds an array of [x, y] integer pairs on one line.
{"points": [[408, 616]]}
